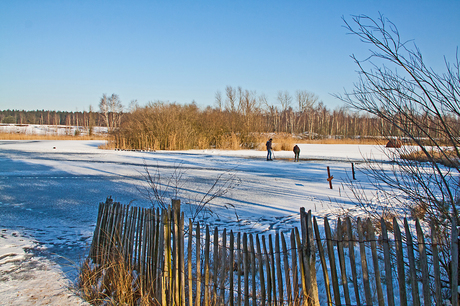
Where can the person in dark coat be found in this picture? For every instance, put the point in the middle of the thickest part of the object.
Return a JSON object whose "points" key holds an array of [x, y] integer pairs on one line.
{"points": [[269, 149], [296, 153]]}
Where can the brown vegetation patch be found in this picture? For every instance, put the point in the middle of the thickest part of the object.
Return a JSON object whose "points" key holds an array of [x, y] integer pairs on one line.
{"points": [[394, 143], [446, 157]]}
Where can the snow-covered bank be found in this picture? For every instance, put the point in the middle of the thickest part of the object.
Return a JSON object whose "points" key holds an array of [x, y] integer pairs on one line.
{"points": [[27, 279]]}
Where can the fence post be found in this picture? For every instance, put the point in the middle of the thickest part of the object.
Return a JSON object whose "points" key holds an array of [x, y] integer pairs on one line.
{"points": [[329, 177]]}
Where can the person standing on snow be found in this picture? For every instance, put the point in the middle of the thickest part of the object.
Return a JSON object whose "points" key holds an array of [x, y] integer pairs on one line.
{"points": [[269, 149], [296, 153]]}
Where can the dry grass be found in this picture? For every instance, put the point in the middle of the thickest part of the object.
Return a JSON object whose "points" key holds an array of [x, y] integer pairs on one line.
{"points": [[447, 158], [286, 142], [20, 136], [114, 283], [369, 141]]}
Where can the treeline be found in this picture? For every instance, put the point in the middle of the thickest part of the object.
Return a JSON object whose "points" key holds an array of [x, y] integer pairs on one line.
{"points": [[47, 117], [239, 119], [242, 119]]}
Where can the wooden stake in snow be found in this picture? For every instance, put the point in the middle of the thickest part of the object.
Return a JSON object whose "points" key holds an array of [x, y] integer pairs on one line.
{"points": [[329, 177]]}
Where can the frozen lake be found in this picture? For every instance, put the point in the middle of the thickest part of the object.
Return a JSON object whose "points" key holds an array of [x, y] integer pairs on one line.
{"points": [[50, 190]]}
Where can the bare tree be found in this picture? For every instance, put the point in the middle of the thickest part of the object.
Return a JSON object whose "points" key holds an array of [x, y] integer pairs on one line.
{"points": [[104, 109], [159, 190], [116, 110], [231, 97], [285, 99], [218, 97], [133, 106], [424, 107], [306, 100]]}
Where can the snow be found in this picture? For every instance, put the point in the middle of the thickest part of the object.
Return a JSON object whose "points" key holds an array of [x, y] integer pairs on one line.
{"points": [[50, 191], [55, 130]]}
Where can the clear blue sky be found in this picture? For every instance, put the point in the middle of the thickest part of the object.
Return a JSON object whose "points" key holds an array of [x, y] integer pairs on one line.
{"points": [[63, 55]]}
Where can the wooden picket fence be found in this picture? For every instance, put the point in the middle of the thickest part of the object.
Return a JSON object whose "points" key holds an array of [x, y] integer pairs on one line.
{"points": [[200, 266]]}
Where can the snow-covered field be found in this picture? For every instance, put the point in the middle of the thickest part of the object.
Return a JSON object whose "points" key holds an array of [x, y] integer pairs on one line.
{"points": [[50, 191]]}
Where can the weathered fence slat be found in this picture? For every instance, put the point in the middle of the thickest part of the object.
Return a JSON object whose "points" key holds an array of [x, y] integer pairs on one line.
{"points": [[182, 259], [301, 265], [423, 264], [323, 262], [412, 271], [269, 273], [189, 262], [305, 250], [223, 268], [454, 254], [261, 271], [313, 294], [351, 256], [342, 265], [387, 260], [215, 266], [232, 268], [166, 288], [295, 279], [160, 265], [279, 271], [252, 258], [331, 256], [287, 277], [375, 261], [239, 267], [253, 269], [400, 264], [436, 269], [206, 267], [273, 268], [198, 265], [364, 268], [246, 269]]}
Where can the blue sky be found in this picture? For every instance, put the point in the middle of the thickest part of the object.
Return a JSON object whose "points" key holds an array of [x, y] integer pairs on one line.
{"points": [[63, 55]]}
